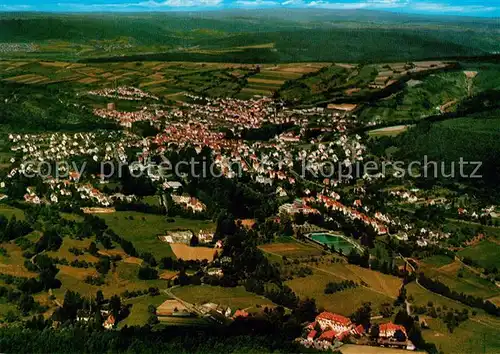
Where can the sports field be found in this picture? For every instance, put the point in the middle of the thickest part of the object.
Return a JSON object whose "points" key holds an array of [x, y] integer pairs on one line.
{"points": [[291, 249]]}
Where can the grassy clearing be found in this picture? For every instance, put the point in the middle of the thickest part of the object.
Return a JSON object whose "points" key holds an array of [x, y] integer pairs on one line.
{"points": [[437, 260], [142, 230], [13, 262], [235, 298], [63, 251], [123, 277]]}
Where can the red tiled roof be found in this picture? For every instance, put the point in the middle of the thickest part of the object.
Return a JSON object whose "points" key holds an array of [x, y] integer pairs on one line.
{"points": [[360, 329], [388, 327], [342, 335], [240, 313], [328, 335], [334, 317], [312, 334]]}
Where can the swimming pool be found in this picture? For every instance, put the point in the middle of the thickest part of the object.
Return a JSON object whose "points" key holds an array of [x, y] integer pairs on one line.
{"points": [[331, 239]]}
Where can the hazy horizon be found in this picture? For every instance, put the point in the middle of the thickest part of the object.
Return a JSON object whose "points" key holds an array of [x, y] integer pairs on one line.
{"points": [[466, 8]]}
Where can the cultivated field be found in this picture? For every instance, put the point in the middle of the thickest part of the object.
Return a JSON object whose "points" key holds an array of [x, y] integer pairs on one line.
{"points": [[170, 306], [388, 131], [186, 252], [166, 80]]}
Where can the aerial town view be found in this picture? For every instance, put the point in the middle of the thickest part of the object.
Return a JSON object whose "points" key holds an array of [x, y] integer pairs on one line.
{"points": [[250, 176]]}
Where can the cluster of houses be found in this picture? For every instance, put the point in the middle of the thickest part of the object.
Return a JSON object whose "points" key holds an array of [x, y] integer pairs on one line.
{"points": [[297, 207], [189, 202], [179, 236], [36, 149], [184, 236], [407, 196], [220, 313], [329, 330], [197, 124], [125, 119], [109, 322], [464, 213], [18, 47], [123, 93], [266, 162], [68, 190], [240, 113], [353, 214]]}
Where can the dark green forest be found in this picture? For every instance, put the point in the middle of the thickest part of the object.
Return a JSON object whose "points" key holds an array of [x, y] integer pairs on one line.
{"points": [[297, 35]]}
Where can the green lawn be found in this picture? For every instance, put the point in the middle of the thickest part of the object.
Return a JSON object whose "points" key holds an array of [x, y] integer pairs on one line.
{"points": [[142, 229], [236, 298]]}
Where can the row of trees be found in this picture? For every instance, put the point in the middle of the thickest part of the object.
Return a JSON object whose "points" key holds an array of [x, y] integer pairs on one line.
{"points": [[333, 287]]}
